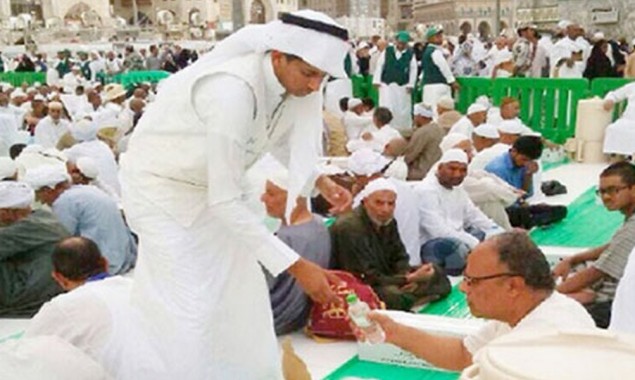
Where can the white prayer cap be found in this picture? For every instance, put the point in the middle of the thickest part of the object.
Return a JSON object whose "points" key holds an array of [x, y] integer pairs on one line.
{"points": [[39, 98], [451, 140], [446, 102], [37, 84], [487, 130], [598, 36], [15, 194], [53, 95], [363, 45], [423, 110], [454, 155], [17, 93], [564, 24], [84, 130], [513, 127], [8, 168], [75, 67], [353, 102], [56, 105], [476, 107], [88, 167], [484, 100], [378, 184], [31, 89], [46, 176], [366, 162], [502, 57]]}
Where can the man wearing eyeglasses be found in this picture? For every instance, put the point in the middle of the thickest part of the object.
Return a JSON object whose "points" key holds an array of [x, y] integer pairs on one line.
{"points": [[507, 280], [595, 285]]}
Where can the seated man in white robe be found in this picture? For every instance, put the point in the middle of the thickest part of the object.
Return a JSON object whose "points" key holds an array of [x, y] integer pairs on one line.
{"points": [[507, 281], [376, 138], [450, 225], [94, 314], [619, 137], [50, 130], [476, 115], [306, 234], [366, 165], [354, 119]]}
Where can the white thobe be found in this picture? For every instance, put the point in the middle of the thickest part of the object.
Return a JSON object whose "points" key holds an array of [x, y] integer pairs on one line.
{"points": [[96, 318], [433, 92], [447, 213], [623, 308], [8, 133], [104, 160], [198, 277], [464, 126], [113, 67], [356, 124], [395, 97], [49, 132], [619, 137]]}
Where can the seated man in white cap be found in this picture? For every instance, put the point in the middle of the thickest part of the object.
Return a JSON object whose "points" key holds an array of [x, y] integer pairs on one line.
{"points": [[86, 211], [84, 171], [85, 133], [94, 315], [423, 149], [447, 115], [485, 136], [376, 136], [508, 282], [450, 224], [50, 130], [366, 243], [354, 119], [487, 153], [306, 234], [476, 115], [367, 165], [28, 238]]}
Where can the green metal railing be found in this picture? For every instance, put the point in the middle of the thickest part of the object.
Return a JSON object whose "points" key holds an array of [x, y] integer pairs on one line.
{"points": [[16, 78]]}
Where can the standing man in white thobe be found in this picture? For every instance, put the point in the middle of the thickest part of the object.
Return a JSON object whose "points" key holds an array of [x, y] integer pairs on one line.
{"points": [[198, 280], [619, 136], [395, 76]]}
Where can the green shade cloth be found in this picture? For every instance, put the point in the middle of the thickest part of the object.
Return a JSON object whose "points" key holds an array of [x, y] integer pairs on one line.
{"points": [[130, 79], [368, 370], [453, 306], [588, 224]]}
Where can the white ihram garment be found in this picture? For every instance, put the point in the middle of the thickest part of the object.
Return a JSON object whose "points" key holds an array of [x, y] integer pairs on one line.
{"points": [[619, 137]]}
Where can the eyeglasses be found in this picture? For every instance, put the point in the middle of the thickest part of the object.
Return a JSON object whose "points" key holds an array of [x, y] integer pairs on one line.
{"points": [[471, 281], [611, 190]]}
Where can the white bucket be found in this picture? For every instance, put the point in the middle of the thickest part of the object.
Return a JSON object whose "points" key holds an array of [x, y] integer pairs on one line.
{"points": [[590, 152], [592, 120]]}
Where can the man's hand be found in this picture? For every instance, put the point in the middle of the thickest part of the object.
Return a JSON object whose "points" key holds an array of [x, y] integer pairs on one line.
{"points": [[562, 269], [531, 167], [425, 271], [390, 327], [315, 281], [608, 105], [340, 198]]}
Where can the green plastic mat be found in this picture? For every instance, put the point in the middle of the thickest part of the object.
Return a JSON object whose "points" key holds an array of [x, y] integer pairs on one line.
{"points": [[11, 337], [588, 224], [552, 165], [360, 369], [453, 306]]}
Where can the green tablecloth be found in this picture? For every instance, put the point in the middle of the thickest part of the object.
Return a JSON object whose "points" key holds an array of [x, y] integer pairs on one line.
{"points": [[360, 369], [588, 224]]}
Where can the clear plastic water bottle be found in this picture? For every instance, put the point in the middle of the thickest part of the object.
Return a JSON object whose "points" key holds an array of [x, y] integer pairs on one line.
{"points": [[358, 311]]}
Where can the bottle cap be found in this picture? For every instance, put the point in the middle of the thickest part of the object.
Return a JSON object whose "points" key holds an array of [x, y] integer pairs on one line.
{"points": [[351, 298]]}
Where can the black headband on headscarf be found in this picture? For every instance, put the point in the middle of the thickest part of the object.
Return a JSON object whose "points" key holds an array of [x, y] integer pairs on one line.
{"points": [[319, 26]]}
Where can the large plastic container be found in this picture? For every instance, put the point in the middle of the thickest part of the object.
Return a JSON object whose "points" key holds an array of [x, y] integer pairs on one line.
{"points": [[592, 120], [558, 355]]}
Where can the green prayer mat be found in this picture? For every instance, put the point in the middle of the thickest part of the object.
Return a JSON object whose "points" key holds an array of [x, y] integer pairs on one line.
{"points": [[588, 224], [360, 369], [552, 165], [453, 306]]}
